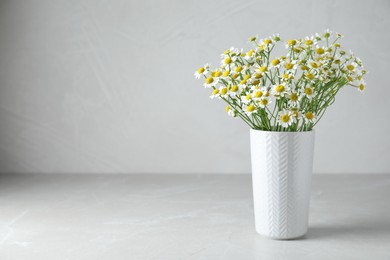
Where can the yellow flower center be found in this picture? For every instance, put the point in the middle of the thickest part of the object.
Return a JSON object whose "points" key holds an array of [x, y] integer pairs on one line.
{"points": [[267, 94], [361, 87], [258, 94], [320, 51], [285, 118], [250, 108], [217, 74], [291, 42], [248, 97], [243, 82], [267, 41], [256, 82], [304, 67], [224, 91], [285, 76], [275, 62], [226, 52], [263, 69], [228, 60], [337, 45], [337, 61], [247, 76], [209, 80], [314, 65], [308, 91], [310, 76], [289, 66], [215, 92], [258, 75], [250, 53], [227, 108], [295, 113], [238, 69], [309, 115], [294, 97], [201, 70], [264, 102], [350, 67], [308, 42], [226, 73], [279, 88], [234, 88]]}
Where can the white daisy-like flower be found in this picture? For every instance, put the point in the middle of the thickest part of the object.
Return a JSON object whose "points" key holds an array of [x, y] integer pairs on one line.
{"points": [[285, 118], [309, 41], [314, 64], [291, 65], [263, 102], [276, 63], [249, 109], [210, 82], [308, 92], [294, 99], [309, 117], [327, 33], [246, 99], [234, 90], [202, 71], [296, 113], [215, 94], [250, 55], [230, 111], [280, 90], [223, 91]]}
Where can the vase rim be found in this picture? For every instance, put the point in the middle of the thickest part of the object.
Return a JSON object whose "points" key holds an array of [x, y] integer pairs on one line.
{"points": [[279, 132]]}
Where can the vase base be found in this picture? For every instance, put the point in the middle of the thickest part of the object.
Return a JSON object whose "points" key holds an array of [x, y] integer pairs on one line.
{"points": [[297, 237]]}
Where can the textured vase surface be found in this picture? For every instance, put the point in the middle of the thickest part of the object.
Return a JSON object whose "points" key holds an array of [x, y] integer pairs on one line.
{"points": [[282, 166]]}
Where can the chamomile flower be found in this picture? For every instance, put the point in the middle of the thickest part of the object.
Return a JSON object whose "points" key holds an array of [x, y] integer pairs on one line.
{"points": [[320, 50], [246, 99], [294, 98], [361, 86], [215, 93], [249, 109], [230, 111], [210, 82], [285, 118], [234, 90], [250, 55], [280, 90], [308, 92], [202, 71], [263, 101], [275, 63], [309, 41], [223, 91], [309, 117], [291, 65]]}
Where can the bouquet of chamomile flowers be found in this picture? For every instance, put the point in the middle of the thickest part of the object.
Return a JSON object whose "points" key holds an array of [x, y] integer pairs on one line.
{"points": [[285, 93]]}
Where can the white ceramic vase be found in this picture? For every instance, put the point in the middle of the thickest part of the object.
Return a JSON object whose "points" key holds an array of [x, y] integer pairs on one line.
{"points": [[282, 165]]}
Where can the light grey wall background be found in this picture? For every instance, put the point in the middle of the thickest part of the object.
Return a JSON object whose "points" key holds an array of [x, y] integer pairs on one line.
{"points": [[107, 86]]}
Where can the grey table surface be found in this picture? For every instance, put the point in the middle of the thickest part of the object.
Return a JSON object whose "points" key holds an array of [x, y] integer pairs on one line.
{"points": [[62, 216]]}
